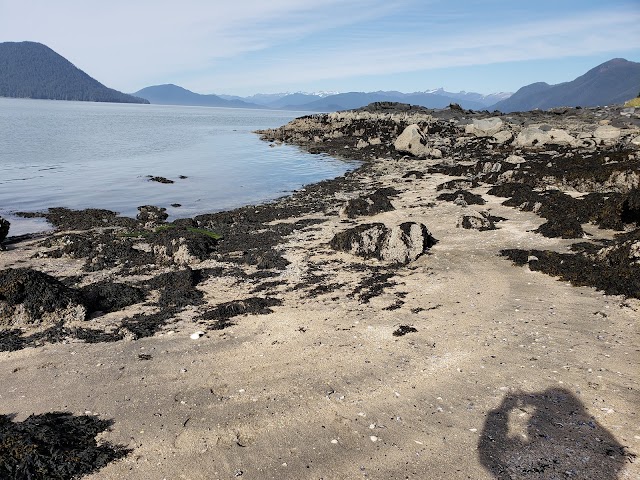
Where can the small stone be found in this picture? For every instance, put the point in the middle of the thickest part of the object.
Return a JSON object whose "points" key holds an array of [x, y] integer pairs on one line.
{"points": [[373, 438], [196, 335]]}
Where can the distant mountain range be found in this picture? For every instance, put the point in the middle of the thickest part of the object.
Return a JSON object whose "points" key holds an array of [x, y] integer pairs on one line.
{"points": [[170, 94], [317, 102], [610, 83], [33, 70]]}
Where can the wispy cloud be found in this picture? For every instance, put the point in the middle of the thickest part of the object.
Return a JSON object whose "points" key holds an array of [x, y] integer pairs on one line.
{"points": [[587, 34], [221, 45]]}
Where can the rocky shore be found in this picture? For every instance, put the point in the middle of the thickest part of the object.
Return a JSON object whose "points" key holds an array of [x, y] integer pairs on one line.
{"points": [[463, 305]]}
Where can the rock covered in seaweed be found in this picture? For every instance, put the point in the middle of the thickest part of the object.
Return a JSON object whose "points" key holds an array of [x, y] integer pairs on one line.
{"points": [[31, 297], [400, 244], [4, 229]]}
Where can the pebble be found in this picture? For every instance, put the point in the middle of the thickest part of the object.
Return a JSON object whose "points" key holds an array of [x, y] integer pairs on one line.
{"points": [[197, 335], [373, 438]]}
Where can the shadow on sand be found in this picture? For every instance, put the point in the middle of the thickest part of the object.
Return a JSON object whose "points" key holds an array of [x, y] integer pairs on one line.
{"points": [[548, 435]]}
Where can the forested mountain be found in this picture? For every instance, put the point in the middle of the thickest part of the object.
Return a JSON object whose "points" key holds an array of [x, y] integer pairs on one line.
{"points": [[33, 70], [610, 83], [170, 94]]}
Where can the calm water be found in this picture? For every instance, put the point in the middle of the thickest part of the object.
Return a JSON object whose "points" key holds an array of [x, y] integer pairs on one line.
{"points": [[81, 155]]}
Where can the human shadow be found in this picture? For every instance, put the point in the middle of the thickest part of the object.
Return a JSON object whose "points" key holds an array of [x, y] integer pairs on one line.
{"points": [[548, 435], [55, 445]]}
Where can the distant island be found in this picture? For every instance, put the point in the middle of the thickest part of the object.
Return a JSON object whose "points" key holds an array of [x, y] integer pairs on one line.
{"points": [[33, 70]]}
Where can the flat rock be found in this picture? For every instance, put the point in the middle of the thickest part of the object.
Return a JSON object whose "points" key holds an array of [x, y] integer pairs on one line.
{"points": [[484, 127], [532, 137], [607, 133]]}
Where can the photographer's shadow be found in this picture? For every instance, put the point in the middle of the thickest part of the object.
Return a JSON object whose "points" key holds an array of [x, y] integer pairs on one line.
{"points": [[548, 435]]}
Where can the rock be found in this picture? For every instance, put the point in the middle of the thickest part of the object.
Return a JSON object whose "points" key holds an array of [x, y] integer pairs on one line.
{"points": [[607, 133], [560, 137], [472, 219], [362, 144], [485, 127], [532, 137], [372, 204], [517, 159], [503, 136], [412, 140], [636, 140], [159, 179], [4, 229], [400, 244], [31, 297], [152, 216]]}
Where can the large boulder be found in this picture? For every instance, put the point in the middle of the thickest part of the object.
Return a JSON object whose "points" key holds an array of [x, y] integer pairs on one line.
{"points": [[532, 137], [412, 140], [30, 297], [484, 127], [607, 133], [400, 244]]}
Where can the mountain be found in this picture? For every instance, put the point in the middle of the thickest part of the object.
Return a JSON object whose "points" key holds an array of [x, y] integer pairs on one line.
{"points": [[33, 70], [170, 94], [485, 100], [610, 83], [346, 101]]}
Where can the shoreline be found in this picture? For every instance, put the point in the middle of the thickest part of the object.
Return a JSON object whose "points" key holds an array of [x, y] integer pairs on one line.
{"points": [[327, 335]]}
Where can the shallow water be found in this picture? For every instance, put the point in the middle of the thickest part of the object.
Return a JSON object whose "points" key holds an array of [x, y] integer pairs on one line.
{"points": [[99, 155]]}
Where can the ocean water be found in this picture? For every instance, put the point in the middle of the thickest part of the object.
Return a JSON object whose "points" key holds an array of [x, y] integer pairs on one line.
{"points": [[99, 155]]}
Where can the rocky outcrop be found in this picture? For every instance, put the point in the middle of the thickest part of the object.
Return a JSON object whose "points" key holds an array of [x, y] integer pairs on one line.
{"points": [[30, 297], [400, 244]]}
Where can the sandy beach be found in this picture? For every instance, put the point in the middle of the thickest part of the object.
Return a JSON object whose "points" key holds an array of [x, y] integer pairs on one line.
{"points": [[288, 357]]}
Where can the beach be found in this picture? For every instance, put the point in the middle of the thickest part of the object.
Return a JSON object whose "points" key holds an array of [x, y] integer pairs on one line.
{"points": [[450, 309]]}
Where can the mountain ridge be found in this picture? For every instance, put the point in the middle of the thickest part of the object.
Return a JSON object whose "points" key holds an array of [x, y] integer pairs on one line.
{"points": [[611, 82], [33, 70]]}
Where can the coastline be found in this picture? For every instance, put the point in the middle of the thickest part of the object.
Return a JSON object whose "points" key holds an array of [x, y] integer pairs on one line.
{"points": [[320, 363]]}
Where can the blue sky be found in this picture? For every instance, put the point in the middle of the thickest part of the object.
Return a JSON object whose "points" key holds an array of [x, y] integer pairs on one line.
{"points": [[251, 46]]}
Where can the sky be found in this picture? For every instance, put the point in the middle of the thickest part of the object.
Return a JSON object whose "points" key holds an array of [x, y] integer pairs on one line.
{"points": [[268, 46]]}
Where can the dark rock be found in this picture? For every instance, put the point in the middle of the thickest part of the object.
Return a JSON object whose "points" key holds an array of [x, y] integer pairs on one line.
{"points": [[67, 219], [372, 204], [4, 229], [400, 244], [471, 219], [468, 197], [106, 296], [177, 289], [159, 179], [152, 216], [403, 330], [458, 184], [31, 297]]}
